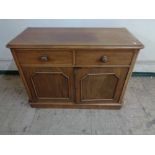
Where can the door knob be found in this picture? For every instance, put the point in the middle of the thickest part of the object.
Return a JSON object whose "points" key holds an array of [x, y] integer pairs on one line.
{"points": [[104, 59], [44, 58]]}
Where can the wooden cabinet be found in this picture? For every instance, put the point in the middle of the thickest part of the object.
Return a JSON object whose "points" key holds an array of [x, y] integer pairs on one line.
{"points": [[75, 67]]}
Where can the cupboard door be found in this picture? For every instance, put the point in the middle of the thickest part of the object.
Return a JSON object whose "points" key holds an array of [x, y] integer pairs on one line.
{"points": [[99, 85], [50, 83]]}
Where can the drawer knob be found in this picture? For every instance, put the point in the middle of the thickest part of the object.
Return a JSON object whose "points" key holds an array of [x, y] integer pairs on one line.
{"points": [[44, 58], [104, 59]]}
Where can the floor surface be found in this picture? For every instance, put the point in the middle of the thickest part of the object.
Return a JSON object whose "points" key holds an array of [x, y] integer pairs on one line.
{"points": [[137, 116]]}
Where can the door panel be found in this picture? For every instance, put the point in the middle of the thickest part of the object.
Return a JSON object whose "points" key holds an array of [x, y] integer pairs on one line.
{"points": [[99, 84], [50, 83]]}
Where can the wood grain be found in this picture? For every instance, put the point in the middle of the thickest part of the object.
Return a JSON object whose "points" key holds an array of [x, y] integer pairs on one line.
{"points": [[99, 85], [128, 75], [21, 74], [72, 105], [54, 84], [54, 57], [75, 38], [114, 57]]}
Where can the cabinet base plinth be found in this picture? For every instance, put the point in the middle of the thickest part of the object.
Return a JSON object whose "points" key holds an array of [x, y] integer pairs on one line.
{"points": [[76, 106]]}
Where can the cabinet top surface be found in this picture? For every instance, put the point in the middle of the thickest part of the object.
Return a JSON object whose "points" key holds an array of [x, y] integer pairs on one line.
{"points": [[76, 38]]}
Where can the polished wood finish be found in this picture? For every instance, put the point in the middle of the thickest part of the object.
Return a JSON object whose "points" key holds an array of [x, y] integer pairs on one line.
{"points": [[72, 105], [42, 57], [50, 83], [95, 85], [104, 57], [129, 75], [76, 38], [75, 67]]}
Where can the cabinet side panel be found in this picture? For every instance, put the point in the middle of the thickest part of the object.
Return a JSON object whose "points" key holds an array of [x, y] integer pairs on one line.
{"points": [[129, 74], [13, 51]]}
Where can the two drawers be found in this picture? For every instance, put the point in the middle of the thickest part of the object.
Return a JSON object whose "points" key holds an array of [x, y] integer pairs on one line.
{"points": [[74, 57]]}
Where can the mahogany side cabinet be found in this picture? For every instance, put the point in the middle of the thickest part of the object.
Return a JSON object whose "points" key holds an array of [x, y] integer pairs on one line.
{"points": [[75, 67]]}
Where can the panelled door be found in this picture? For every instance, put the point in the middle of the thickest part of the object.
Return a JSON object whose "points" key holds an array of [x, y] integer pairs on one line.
{"points": [[50, 83], [99, 85]]}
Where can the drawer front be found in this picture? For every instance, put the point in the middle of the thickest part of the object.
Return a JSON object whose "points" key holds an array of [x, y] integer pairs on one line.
{"points": [[115, 57], [56, 57]]}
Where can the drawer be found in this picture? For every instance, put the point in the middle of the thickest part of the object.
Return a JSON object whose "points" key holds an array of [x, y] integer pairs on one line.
{"points": [[108, 57], [56, 57]]}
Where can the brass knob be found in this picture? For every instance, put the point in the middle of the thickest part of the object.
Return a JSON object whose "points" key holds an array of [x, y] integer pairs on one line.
{"points": [[104, 59], [44, 58]]}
